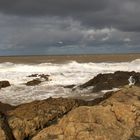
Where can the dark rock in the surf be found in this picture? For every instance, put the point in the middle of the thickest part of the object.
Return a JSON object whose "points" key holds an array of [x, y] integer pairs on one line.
{"points": [[41, 76], [44, 76], [69, 86], [4, 84], [33, 82], [111, 80], [33, 75]]}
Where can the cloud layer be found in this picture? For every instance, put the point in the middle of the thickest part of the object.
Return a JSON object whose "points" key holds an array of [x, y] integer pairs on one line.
{"points": [[63, 26]]}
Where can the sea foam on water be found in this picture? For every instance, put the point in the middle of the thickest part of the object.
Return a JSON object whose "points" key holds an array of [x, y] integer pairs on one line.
{"points": [[71, 73]]}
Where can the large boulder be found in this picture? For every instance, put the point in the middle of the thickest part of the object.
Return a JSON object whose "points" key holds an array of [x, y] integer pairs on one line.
{"points": [[115, 118], [112, 80], [4, 84]]}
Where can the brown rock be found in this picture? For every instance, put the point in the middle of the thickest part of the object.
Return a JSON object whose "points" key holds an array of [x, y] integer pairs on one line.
{"points": [[5, 107], [4, 84], [5, 130], [26, 120], [116, 117]]}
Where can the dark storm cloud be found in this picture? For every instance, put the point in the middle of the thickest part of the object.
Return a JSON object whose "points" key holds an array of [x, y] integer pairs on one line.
{"points": [[50, 7], [76, 26], [121, 14]]}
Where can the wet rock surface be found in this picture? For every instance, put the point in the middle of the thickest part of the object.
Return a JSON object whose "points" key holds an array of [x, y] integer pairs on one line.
{"points": [[4, 84], [112, 80], [38, 79], [44, 76], [33, 82]]}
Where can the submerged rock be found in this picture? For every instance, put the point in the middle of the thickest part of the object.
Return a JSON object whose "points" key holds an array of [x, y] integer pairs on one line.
{"points": [[112, 80], [4, 84]]}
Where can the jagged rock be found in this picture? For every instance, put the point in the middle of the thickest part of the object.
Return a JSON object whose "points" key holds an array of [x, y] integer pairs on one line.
{"points": [[26, 120], [111, 80], [4, 84], [44, 76], [115, 117], [33, 82], [39, 78], [5, 130]]}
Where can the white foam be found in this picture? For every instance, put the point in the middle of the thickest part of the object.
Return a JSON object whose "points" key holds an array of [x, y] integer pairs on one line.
{"points": [[71, 73]]}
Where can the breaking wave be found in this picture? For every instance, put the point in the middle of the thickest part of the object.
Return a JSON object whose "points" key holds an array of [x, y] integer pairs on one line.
{"points": [[71, 73]]}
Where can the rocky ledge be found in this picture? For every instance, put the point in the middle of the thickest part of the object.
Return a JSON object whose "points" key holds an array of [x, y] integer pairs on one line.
{"points": [[116, 115], [112, 80]]}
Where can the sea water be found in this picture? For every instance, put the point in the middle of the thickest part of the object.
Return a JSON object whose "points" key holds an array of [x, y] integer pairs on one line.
{"points": [[61, 75]]}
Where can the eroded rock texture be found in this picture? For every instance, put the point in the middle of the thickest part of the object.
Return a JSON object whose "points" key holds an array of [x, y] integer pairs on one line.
{"points": [[117, 117], [26, 120]]}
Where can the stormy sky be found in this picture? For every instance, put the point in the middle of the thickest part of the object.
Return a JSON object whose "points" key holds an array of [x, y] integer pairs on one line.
{"points": [[31, 27]]}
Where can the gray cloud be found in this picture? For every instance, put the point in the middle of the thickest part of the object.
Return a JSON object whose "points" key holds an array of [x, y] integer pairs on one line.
{"points": [[121, 14], [45, 26]]}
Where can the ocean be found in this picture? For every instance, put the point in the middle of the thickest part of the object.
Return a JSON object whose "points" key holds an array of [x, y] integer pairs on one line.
{"points": [[64, 73]]}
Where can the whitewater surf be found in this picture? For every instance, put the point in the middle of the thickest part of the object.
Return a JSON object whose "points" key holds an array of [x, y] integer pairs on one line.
{"points": [[61, 75]]}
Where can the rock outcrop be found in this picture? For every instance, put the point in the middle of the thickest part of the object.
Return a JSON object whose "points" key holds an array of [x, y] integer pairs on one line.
{"points": [[26, 120], [5, 130], [115, 115], [112, 80], [39, 78], [33, 82], [118, 117], [4, 84]]}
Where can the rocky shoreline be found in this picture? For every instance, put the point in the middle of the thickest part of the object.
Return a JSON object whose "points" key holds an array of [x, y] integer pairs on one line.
{"points": [[115, 115]]}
